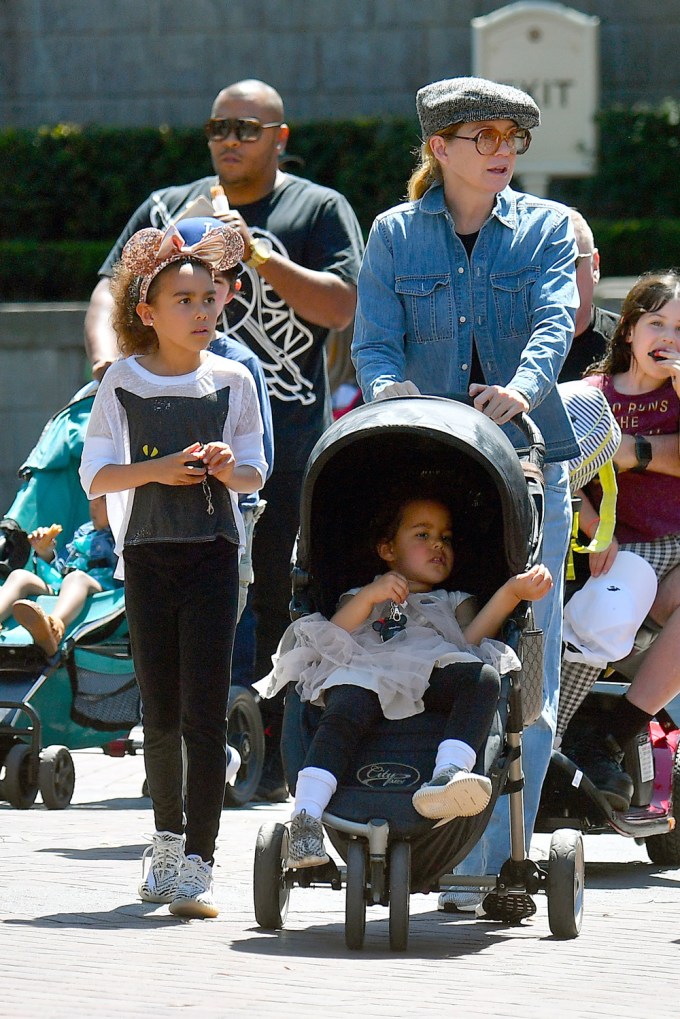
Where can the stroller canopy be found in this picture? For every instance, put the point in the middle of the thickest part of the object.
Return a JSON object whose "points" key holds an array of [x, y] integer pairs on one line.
{"points": [[457, 454]]}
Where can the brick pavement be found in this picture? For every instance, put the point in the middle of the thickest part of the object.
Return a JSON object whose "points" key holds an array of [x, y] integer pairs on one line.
{"points": [[76, 943]]}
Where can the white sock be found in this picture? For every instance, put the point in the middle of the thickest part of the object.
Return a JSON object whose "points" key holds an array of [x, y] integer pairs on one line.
{"points": [[454, 752], [313, 791]]}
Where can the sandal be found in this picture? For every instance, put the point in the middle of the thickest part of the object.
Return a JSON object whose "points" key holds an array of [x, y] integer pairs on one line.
{"points": [[46, 631]]}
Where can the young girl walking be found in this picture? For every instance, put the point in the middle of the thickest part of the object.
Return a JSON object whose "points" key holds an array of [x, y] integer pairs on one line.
{"points": [[175, 434], [373, 660]]}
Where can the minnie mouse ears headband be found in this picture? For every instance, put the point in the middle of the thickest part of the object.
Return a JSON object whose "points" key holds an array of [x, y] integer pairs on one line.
{"points": [[150, 250]]}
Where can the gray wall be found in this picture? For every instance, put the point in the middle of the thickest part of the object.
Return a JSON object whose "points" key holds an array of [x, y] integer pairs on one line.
{"points": [[147, 62], [42, 364]]}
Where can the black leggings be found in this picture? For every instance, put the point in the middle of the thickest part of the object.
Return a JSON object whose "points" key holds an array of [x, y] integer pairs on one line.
{"points": [[468, 691], [181, 600]]}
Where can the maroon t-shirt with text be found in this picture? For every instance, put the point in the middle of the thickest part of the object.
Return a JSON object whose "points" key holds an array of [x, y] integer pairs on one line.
{"points": [[648, 504]]}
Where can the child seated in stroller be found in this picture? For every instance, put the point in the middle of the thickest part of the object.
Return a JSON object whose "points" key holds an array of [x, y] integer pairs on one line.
{"points": [[86, 569], [373, 660]]}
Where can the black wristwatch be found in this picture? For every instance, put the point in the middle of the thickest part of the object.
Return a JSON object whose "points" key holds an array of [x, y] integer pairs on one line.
{"points": [[643, 453]]}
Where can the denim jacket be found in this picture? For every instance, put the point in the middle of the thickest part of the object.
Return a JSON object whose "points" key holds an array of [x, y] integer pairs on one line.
{"points": [[421, 301]]}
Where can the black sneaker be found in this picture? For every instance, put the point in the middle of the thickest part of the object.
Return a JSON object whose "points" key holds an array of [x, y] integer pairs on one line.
{"points": [[599, 758], [510, 908]]}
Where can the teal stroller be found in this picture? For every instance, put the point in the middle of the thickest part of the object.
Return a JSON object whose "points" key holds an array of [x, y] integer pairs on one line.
{"points": [[86, 695]]}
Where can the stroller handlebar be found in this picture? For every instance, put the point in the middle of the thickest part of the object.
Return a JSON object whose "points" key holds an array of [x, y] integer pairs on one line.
{"points": [[536, 451]]}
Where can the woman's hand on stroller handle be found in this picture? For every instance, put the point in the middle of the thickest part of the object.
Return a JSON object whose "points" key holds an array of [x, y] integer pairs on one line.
{"points": [[499, 403]]}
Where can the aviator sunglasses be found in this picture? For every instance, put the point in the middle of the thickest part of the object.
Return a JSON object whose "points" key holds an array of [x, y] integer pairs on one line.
{"points": [[246, 129], [488, 141]]}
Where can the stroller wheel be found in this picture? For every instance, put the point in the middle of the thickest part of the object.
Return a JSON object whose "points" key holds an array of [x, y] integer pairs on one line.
{"points": [[18, 788], [566, 881], [355, 895], [270, 891], [400, 893], [244, 724], [56, 777]]}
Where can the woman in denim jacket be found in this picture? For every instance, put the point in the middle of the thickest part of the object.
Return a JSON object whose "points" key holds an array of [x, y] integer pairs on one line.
{"points": [[470, 287]]}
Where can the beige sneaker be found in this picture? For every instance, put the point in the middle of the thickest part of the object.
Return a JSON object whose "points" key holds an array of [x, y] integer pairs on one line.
{"points": [[47, 631], [455, 792]]}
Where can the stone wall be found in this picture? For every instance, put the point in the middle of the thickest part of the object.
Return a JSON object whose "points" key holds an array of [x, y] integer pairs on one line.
{"points": [[162, 61], [42, 364]]}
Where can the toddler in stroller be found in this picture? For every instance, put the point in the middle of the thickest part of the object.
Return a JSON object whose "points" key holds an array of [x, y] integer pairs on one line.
{"points": [[86, 569], [493, 504], [438, 655]]}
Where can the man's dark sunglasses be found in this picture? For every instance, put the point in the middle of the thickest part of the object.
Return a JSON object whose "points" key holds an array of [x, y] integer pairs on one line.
{"points": [[246, 129]]}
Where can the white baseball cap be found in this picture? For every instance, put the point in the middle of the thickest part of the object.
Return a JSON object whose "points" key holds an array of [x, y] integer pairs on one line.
{"points": [[601, 620]]}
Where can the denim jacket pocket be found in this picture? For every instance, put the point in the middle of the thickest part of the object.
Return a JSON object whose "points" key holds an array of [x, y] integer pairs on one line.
{"points": [[511, 295], [428, 303]]}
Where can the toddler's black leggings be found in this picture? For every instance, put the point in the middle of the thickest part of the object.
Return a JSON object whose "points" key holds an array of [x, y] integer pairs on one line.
{"points": [[467, 691]]}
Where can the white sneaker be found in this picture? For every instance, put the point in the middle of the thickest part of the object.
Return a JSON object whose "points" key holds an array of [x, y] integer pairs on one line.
{"points": [[194, 897], [460, 901], [454, 792], [161, 864], [233, 765]]}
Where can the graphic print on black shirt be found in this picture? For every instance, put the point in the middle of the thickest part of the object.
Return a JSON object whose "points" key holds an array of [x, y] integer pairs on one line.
{"points": [[158, 426]]}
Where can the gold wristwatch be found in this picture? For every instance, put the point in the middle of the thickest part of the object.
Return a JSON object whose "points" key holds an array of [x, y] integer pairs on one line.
{"points": [[260, 251]]}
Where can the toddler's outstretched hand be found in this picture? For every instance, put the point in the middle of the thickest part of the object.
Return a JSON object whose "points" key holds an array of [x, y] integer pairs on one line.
{"points": [[532, 585]]}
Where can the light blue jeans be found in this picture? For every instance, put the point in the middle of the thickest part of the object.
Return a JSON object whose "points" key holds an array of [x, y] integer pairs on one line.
{"points": [[493, 849]]}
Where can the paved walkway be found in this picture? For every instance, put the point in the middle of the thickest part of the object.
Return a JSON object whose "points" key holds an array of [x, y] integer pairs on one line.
{"points": [[75, 942]]}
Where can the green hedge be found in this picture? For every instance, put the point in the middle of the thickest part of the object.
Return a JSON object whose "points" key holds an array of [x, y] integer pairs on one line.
{"points": [[66, 192]]}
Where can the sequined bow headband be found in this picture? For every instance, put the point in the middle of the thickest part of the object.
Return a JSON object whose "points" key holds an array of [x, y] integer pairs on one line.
{"points": [[150, 250]]}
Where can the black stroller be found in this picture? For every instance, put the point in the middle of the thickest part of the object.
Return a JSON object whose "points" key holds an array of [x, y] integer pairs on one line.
{"points": [[496, 500]]}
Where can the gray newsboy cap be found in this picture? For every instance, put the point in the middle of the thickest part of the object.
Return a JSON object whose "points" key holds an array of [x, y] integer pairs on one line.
{"points": [[463, 100]]}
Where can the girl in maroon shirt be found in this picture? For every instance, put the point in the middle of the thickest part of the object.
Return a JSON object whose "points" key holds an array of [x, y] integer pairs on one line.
{"points": [[640, 377]]}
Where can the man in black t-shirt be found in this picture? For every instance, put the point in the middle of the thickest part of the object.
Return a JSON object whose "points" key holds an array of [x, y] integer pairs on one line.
{"points": [[303, 246], [594, 326]]}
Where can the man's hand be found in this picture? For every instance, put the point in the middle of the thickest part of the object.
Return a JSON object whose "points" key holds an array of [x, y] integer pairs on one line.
{"points": [[497, 402], [236, 221]]}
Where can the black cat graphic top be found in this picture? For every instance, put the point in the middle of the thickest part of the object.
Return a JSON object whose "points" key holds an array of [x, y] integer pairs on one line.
{"points": [[138, 415]]}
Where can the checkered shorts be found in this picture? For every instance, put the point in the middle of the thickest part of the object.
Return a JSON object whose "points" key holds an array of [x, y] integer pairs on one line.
{"points": [[576, 678]]}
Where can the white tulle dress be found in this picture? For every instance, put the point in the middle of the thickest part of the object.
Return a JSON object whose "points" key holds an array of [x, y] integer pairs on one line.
{"points": [[316, 655]]}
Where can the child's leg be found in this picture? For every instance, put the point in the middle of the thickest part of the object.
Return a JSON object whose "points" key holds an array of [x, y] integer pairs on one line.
{"points": [[151, 593], [468, 691], [206, 622], [19, 584], [48, 630], [75, 589], [349, 714]]}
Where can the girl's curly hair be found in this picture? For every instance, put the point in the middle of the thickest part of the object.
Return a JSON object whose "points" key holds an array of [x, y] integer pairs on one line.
{"points": [[133, 336], [649, 294]]}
